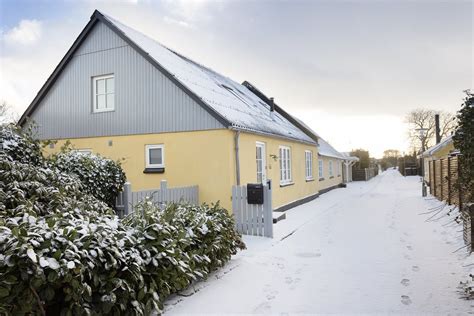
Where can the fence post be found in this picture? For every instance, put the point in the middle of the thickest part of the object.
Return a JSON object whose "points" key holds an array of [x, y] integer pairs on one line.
{"points": [[164, 190], [459, 183], [470, 209], [268, 209], [449, 180], [127, 198]]}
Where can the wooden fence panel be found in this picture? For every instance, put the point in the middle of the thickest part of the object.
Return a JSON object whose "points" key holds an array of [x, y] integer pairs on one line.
{"points": [[444, 179], [127, 199]]}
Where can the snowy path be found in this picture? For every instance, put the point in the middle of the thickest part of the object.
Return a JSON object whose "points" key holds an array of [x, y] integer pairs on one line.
{"points": [[364, 249]]}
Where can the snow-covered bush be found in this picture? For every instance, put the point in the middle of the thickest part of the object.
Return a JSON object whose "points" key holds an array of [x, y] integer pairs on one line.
{"points": [[102, 177], [19, 146], [62, 250], [183, 243]]}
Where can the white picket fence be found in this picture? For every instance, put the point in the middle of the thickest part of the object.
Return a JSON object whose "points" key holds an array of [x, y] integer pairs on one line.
{"points": [[252, 219], [127, 199]]}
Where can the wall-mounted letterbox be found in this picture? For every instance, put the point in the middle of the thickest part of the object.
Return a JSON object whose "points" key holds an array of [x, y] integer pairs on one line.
{"points": [[254, 193]]}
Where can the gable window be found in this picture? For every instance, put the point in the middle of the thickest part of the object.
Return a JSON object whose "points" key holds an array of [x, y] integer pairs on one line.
{"points": [[285, 165], [103, 93], [308, 164], [331, 173], [320, 167], [155, 158]]}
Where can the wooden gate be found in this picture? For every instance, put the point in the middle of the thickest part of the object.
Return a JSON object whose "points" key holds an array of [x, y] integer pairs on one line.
{"points": [[253, 219]]}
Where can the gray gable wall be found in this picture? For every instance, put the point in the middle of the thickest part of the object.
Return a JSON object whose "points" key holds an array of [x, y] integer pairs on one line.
{"points": [[146, 101]]}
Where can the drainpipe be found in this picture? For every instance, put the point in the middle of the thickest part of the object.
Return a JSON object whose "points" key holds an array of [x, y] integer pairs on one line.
{"points": [[237, 161]]}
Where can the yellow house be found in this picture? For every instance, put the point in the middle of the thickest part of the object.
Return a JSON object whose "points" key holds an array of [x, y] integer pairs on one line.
{"points": [[120, 94]]}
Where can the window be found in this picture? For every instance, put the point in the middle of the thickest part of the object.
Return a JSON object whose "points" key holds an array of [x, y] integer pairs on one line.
{"points": [[320, 165], [309, 164], [241, 98], [83, 151], [338, 168], [103, 93], [260, 158], [155, 156], [331, 173], [285, 165]]}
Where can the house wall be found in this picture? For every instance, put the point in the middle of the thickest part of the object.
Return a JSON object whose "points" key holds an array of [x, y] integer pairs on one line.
{"points": [[328, 182], [206, 159], [146, 101], [203, 158], [282, 195], [441, 153]]}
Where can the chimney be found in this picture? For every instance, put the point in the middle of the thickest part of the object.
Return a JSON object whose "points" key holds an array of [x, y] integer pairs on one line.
{"points": [[437, 131], [272, 105]]}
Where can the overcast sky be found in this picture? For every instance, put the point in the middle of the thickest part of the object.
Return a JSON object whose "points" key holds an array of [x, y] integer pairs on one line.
{"points": [[350, 69]]}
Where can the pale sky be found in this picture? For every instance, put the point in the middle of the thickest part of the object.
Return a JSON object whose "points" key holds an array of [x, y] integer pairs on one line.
{"points": [[350, 69]]}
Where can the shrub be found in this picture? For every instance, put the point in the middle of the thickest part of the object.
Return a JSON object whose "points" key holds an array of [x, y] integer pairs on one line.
{"points": [[102, 177], [62, 250], [183, 243]]}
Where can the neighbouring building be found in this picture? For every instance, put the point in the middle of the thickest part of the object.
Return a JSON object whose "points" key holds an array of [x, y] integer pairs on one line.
{"points": [[120, 94], [334, 167], [436, 152]]}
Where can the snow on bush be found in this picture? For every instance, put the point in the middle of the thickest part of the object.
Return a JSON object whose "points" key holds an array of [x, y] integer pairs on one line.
{"points": [[63, 250], [183, 243], [102, 178]]}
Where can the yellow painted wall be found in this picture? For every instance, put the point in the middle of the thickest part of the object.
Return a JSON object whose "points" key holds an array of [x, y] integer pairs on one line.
{"points": [[337, 176], [282, 195], [204, 158]]}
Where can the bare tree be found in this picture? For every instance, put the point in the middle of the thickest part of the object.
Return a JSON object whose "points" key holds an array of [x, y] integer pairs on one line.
{"points": [[7, 115], [421, 130]]}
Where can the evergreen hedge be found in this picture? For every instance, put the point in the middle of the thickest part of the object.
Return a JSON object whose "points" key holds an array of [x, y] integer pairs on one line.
{"points": [[64, 251]]}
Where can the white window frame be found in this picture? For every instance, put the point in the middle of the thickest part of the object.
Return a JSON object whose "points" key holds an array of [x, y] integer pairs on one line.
{"points": [[285, 165], [331, 171], [321, 168], [147, 156], [262, 147], [94, 93], [308, 162]]}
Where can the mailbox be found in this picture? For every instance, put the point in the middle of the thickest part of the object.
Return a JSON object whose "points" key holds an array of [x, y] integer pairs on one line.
{"points": [[254, 193]]}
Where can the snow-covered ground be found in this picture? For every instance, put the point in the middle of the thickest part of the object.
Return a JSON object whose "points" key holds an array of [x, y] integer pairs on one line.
{"points": [[364, 249]]}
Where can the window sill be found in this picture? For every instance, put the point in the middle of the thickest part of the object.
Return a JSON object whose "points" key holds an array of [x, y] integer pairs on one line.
{"points": [[321, 179], [309, 179], [154, 170], [286, 184], [102, 111]]}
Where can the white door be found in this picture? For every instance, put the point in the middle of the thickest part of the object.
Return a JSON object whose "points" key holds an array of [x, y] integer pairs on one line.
{"points": [[261, 163]]}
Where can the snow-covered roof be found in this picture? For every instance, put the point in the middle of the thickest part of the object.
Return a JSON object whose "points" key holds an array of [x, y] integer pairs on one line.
{"points": [[347, 156], [442, 144], [231, 100]]}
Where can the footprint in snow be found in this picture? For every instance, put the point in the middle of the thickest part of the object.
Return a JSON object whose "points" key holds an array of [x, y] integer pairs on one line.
{"points": [[409, 248], [288, 280], [415, 268], [407, 257], [405, 282], [309, 254], [406, 300], [271, 296]]}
